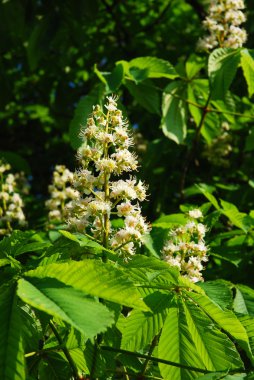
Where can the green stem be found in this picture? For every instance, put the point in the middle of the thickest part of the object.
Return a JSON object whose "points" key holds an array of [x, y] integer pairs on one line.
{"points": [[107, 195], [65, 351], [191, 152], [163, 361], [212, 109], [152, 347]]}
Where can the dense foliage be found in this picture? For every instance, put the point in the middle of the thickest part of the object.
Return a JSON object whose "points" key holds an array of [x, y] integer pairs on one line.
{"points": [[91, 286]]}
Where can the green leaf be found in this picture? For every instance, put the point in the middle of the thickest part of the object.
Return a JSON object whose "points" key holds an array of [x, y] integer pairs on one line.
{"points": [[226, 319], [173, 122], [169, 221], [244, 300], [247, 63], [82, 240], [146, 95], [222, 67], [216, 350], [193, 65], [248, 323], [177, 346], [111, 80], [12, 359], [82, 112], [219, 291], [66, 303], [142, 68], [54, 367], [239, 219], [139, 328], [207, 193], [190, 338], [94, 278], [32, 247]]}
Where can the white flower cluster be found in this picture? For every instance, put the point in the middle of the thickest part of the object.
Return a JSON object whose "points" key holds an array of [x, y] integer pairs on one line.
{"points": [[186, 248], [104, 155], [223, 24], [11, 203], [60, 193]]}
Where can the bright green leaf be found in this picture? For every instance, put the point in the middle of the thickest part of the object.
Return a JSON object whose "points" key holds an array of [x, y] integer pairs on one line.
{"points": [[66, 303], [94, 278], [173, 120], [247, 63]]}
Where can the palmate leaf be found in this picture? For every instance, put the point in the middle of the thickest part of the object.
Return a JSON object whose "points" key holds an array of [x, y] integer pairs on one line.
{"points": [[142, 68], [239, 219], [54, 367], [190, 338], [219, 291], [248, 323], [139, 328], [66, 303], [146, 94], [222, 67], [173, 122], [12, 360], [176, 345], [94, 278], [216, 350], [244, 300], [247, 63], [225, 319]]}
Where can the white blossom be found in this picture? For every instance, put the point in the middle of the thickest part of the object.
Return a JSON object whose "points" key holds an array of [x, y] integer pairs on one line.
{"points": [[103, 156], [195, 213], [60, 193], [223, 24], [186, 248], [12, 187]]}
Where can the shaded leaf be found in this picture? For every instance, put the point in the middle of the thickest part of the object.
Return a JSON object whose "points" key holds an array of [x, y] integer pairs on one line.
{"points": [[12, 360]]}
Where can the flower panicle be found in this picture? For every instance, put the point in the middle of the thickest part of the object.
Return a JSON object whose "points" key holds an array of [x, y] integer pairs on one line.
{"points": [[186, 248], [12, 188], [61, 192], [104, 157], [224, 25]]}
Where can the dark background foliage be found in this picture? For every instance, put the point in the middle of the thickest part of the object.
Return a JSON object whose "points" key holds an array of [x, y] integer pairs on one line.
{"points": [[49, 50]]}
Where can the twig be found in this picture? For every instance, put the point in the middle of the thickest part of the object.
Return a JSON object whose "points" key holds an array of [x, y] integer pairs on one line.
{"points": [[191, 152], [152, 347], [163, 361], [65, 351], [212, 109]]}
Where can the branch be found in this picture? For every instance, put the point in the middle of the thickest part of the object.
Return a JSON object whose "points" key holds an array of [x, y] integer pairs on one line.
{"points": [[163, 361], [65, 351], [191, 152]]}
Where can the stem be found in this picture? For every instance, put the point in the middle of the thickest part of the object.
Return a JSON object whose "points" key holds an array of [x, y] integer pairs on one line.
{"points": [[106, 191], [163, 361], [65, 351], [211, 109], [191, 152], [122, 245], [152, 347]]}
